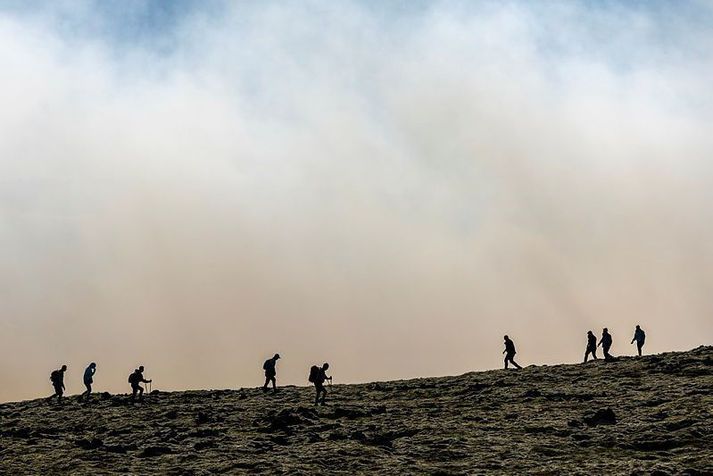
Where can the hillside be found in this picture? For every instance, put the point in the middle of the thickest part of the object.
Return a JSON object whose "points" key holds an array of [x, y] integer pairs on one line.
{"points": [[650, 415]]}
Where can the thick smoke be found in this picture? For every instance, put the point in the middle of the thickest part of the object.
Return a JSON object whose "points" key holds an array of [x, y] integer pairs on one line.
{"points": [[387, 190]]}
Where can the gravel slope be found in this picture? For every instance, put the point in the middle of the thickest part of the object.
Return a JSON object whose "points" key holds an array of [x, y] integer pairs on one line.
{"points": [[650, 415]]}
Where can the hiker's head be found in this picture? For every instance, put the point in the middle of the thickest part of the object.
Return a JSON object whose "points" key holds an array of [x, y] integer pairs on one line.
{"points": [[605, 330], [325, 366], [589, 333], [505, 337], [637, 327], [277, 356], [64, 367], [93, 365], [141, 368]]}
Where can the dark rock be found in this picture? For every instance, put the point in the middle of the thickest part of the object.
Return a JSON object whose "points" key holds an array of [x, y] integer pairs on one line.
{"points": [[119, 449], [603, 416], [679, 425], [314, 438], [92, 444], [654, 445], [202, 418], [279, 440], [574, 423], [201, 445], [532, 393], [153, 451]]}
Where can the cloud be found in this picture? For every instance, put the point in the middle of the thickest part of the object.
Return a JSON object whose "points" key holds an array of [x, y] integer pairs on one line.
{"points": [[390, 190]]}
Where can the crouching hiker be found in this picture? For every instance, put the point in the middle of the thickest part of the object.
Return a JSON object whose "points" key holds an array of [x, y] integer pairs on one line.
{"points": [[135, 379], [318, 375], [57, 379]]}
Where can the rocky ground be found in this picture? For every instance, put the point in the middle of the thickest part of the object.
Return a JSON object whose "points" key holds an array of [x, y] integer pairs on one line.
{"points": [[650, 415]]}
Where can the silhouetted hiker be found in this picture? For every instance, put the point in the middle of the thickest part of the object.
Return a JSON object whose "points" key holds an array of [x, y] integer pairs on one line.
{"points": [[270, 372], [606, 342], [591, 346], [317, 375], [639, 337], [510, 352], [89, 379], [135, 379], [57, 379]]}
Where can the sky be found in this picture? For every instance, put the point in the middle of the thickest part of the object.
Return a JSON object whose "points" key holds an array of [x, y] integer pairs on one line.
{"points": [[389, 187]]}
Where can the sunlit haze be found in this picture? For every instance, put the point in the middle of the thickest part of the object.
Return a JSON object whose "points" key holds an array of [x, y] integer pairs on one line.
{"points": [[385, 186]]}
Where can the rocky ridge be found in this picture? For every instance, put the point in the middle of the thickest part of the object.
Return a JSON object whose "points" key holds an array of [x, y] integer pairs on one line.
{"points": [[649, 415]]}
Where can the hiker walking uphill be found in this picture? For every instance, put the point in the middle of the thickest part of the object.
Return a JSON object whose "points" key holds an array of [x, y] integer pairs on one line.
{"points": [[136, 378], [510, 352], [270, 373], [606, 342], [318, 375], [89, 379], [57, 379], [639, 338], [591, 346]]}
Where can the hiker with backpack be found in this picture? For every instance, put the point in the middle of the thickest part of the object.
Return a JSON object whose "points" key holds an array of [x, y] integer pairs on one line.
{"points": [[136, 378], [510, 352], [57, 379], [606, 342], [270, 373], [591, 346], [639, 338], [89, 379], [318, 375]]}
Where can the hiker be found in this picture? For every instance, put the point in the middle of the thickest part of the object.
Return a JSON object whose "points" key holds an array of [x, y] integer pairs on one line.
{"points": [[639, 337], [269, 368], [510, 352], [591, 346], [57, 379], [606, 342], [317, 375], [89, 379], [135, 379]]}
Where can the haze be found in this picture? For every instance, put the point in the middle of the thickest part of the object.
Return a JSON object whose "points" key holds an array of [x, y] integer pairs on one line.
{"points": [[391, 189]]}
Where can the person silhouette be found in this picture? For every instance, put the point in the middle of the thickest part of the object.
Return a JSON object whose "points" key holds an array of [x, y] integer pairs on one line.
{"points": [[591, 346], [606, 342], [639, 338], [57, 379], [136, 378], [270, 373], [510, 352], [89, 380], [318, 377]]}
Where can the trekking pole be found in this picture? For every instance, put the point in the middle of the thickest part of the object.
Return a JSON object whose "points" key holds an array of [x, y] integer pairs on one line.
{"points": [[149, 388]]}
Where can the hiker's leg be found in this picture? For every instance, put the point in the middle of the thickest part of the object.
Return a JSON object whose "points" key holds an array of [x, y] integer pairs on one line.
{"points": [[141, 393], [638, 347], [512, 359], [316, 398], [506, 361], [267, 381], [134, 390], [324, 394], [274, 384], [594, 354]]}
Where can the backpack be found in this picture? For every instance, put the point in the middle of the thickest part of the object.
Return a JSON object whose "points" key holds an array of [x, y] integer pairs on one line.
{"points": [[133, 378], [54, 376], [266, 365], [313, 374]]}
